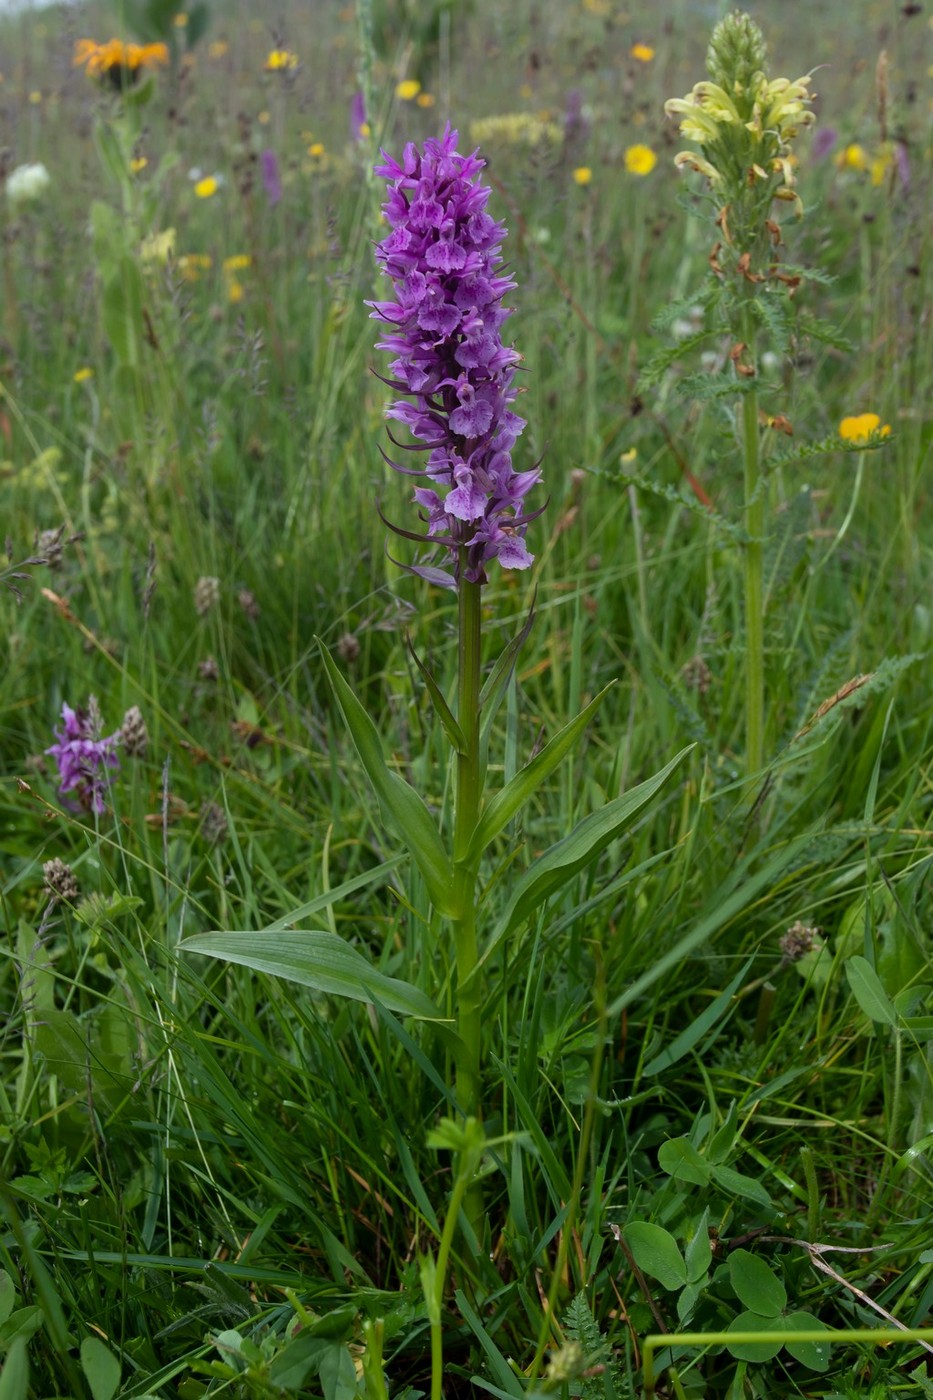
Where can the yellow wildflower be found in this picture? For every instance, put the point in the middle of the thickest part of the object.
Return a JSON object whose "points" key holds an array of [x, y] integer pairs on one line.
{"points": [[116, 62], [281, 60], [83, 374], [35, 97], [238, 262], [218, 48], [138, 163], [407, 90], [190, 265], [582, 175], [862, 427], [158, 247], [425, 99], [207, 187], [180, 20], [264, 118], [640, 160], [515, 128], [643, 52], [316, 149], [234, 290], [852, 157]]}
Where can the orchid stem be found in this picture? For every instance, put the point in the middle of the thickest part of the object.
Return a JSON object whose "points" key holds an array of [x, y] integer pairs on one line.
{"points": [[754, 590]]}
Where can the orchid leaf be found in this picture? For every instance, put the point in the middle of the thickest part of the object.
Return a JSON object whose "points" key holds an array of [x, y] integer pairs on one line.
{"points": [[315, 958], [525, 784], [400, 803]]}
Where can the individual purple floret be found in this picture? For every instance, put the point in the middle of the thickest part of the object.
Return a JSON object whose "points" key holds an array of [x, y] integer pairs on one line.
{"points": [[83, 759], [446, 335]]}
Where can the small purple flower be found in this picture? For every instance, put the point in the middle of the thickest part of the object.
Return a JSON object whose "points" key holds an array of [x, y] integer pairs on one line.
{"points": [[824, 139], [444, 329], [902, 161], [83, 758], [271, 180], [357, 116]]}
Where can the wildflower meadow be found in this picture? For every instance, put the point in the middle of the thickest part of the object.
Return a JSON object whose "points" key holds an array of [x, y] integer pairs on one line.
{"points": [[466, 713]]}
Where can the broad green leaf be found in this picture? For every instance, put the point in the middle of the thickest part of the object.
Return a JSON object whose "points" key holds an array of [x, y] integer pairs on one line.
{"points": [[315, 958], [574, 852], [101, 1368], [699, 1251], [754, 1351], [723, 1139], [695, 1032], [813, 1355], [21, 1323], [868, 991], [756, 1284], [655, 1250], [400, 803], [337, 1373], [525, 784], [14, 1375], [680, 1159], [737, 1184]]}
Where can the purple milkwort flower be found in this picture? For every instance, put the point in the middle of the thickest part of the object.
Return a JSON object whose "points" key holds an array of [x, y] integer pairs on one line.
{"points": [[83, 757], [445, 331], [824, 139], [271, 180]]}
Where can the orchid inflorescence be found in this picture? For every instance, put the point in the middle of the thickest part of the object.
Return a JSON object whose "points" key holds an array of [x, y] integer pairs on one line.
{"points": [[445, 325]]}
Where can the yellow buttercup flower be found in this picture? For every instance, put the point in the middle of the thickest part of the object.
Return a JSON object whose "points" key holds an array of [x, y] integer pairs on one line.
{"points": [[853, 157], [207, 187], [861, 428], [582, 175], [640, 160], [643, 52], [407, 90], [281, 60]]}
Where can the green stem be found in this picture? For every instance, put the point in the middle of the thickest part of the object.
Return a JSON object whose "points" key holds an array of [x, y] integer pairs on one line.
{"points": [[754, 591], [469, 999], [459, 1196]]}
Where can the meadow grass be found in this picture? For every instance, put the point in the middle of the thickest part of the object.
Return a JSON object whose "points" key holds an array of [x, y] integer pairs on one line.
{"points": [[214, 1181]]}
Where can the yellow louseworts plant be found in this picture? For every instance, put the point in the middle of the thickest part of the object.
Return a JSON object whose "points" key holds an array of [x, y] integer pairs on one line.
{"points": [[744, 124]]}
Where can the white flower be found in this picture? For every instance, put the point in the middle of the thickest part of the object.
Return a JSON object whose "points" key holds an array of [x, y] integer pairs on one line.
{"points": [[27, 183]]}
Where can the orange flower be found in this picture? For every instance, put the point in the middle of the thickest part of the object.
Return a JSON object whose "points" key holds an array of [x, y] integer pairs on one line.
{"points": [[117, 62]]}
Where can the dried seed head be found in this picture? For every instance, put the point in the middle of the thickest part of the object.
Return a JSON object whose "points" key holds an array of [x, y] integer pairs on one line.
{"points": [[134, 737], [213, 823], [798, 941], [348, 648], [697, 675], [247, 602], [206, 594], [49, 546], [208, 669], [60, 880]]}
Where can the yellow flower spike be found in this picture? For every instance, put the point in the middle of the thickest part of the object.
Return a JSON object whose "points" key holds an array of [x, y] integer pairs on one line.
{"points": [[640, 160], [692, 161], [582, 175], [862, 427], [407, 90], [207, 187]]}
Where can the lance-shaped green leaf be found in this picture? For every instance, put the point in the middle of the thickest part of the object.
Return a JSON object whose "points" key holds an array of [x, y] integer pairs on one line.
{"points": [[500, 675], [525, 784], [315, 958], [441, 707], [574, 852], [400, 803]]}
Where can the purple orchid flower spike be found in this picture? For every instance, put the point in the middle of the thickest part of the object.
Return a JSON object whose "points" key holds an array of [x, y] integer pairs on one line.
{"points": [[83, 757], [445, 322], [271, 179]]}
